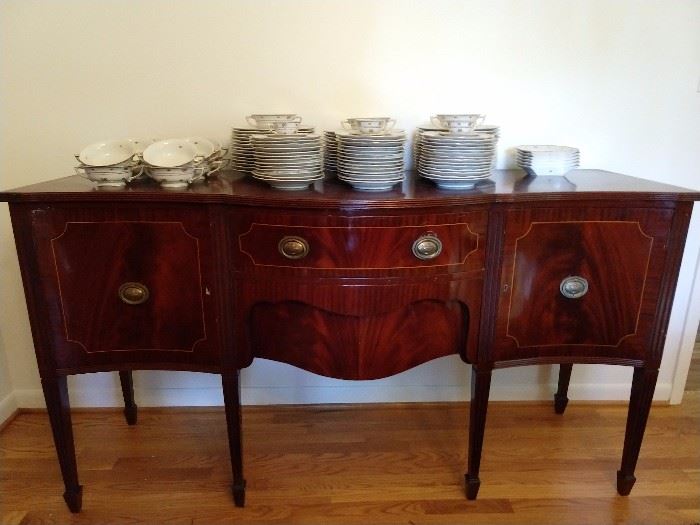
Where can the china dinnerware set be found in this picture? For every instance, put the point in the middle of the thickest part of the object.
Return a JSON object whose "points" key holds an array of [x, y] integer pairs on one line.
{"points": [[370, 154], [458, 156], [547, 160], [242, 155], [174, 163], [455, 152]]}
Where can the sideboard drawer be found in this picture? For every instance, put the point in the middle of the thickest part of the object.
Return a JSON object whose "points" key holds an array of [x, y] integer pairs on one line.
{"points": [[124, 287], [583, 281], [346, 246], [358, 296]]}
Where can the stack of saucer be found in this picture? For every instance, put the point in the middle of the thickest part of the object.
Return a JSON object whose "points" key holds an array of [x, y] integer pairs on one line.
{"points": [[330, 151], [370, 153], [547, 160], [286, 160], [241, 146], [456, 160]]}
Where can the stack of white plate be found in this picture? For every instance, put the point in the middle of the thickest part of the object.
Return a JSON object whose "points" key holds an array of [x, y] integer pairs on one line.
{"points": [[242, 148], [456, 160], [287, 161], [547, 160], [490, 129], [330, 151], [371, 162]]}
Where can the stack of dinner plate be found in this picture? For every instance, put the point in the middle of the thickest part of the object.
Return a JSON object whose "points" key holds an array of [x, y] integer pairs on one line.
{"points": [[371, 161], [490, 129], [547, 160], [287, 161], [241, 146], [330, 151], [456, 160]]}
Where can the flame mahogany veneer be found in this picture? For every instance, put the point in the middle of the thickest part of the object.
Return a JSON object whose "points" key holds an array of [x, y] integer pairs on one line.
{"points": [[569, 270]]}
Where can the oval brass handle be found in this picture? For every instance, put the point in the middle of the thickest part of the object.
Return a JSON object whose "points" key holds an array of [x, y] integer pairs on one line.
{"points": [[133, 293], [574, 287], [293, 247], [427, 246]]}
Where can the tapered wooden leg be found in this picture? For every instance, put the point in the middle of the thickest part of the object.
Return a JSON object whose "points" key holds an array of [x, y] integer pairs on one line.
{"points": [[560, 398], [130, 408], [481, 384], [643, 385], [232, 401], [58, 407]]}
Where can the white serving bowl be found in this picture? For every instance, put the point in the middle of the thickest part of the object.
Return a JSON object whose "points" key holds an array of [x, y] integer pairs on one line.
{"points": [[171, 153], [106, 153]]}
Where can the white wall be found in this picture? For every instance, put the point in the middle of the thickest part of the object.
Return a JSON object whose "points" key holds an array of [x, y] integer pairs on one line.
{"points": [[8, 402], [617, 79]]}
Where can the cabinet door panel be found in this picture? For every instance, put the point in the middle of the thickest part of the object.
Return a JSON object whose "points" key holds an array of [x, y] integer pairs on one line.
{"points": [[86, 256], [93, 260], [615, 256]]}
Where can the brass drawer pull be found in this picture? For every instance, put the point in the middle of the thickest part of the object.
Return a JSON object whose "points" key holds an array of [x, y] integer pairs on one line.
{"points": [[427, 247], [293, 247], [574, 287], [133, 293]]}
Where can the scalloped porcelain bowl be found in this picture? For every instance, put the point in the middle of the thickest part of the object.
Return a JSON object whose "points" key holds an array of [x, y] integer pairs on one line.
{"points": [[171, 153], [106, 153]]}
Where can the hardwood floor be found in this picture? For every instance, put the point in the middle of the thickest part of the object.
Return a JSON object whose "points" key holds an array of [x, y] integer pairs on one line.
{"points": [[358, 464]]}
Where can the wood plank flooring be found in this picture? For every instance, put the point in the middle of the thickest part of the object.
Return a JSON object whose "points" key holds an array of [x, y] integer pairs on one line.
{"points": [[384, 464]]}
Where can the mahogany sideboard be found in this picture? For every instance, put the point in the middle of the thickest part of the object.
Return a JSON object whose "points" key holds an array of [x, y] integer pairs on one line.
{"points": [[353, 285]]}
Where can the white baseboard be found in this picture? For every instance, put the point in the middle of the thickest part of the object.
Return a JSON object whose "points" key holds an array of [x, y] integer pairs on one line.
{"points": [[146, 397], [8, 405]]}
